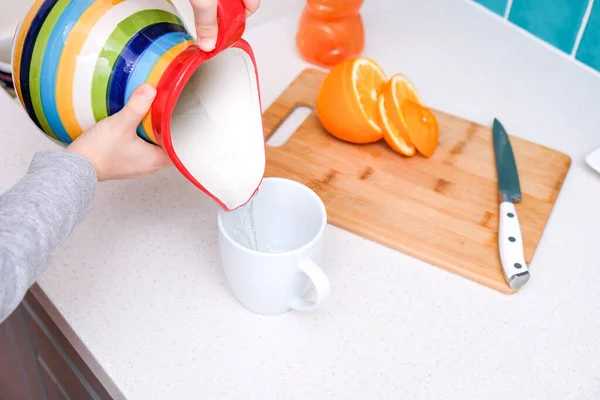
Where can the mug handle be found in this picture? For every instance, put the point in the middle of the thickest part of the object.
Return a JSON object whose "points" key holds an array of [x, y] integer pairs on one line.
{"points": [[319, 281], [232, 23]]}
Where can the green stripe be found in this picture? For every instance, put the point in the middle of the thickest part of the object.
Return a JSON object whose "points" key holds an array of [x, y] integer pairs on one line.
{"points": [[114, 46], [35, 72]]}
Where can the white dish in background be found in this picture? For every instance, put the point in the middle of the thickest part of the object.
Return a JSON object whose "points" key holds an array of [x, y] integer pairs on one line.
{"points": [[6, 80], [5, 54], [593, 160]]}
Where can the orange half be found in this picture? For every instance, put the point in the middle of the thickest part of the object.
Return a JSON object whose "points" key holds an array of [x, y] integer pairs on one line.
{"points": [[347, 100], [368, 78]]}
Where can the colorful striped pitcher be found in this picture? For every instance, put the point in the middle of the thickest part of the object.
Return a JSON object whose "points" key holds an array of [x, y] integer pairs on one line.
{"points": [[76, 62]]}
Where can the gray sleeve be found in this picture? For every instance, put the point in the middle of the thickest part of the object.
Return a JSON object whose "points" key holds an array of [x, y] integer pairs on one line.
{"points": [[36, 215]]}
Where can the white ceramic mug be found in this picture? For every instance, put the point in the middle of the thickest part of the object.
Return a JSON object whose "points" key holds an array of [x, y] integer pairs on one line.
{"points": [[275, 277]]}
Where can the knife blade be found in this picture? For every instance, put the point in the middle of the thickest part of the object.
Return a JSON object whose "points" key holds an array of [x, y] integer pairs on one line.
{"points": [[510, 240]]}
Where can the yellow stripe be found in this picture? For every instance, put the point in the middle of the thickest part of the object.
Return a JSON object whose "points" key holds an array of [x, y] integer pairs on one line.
{"points": [[24, 28], [68, 62], [154, 78]]}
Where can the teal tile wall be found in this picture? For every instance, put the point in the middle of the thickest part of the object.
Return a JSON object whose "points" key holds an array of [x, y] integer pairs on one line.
{"points": [[589, 48], [555, 21], [571, 26], [497, 6]]}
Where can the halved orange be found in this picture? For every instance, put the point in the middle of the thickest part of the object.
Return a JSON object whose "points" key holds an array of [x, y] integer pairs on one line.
{"points": [[347, 100], [421, 125], [391, 130]]}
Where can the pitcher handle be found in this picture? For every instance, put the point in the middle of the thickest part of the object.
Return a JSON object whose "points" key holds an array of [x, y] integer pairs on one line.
{"points": [[231, 15]]}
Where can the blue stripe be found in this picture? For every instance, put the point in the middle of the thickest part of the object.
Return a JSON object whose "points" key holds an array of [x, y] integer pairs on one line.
{"points": [[54, 49], [28, 46], [127, 61], [146, 63]]}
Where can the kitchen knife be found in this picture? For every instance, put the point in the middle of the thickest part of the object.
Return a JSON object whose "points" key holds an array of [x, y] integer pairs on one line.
{"points": [[510, 242]]}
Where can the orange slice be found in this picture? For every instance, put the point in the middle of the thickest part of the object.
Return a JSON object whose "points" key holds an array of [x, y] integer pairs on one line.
{"points": [[421, 125], [395, 91], [347, 100], [391, 130]]}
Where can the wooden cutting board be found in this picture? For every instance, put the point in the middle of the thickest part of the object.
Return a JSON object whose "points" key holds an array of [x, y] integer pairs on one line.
{"points": [[442, 210]]}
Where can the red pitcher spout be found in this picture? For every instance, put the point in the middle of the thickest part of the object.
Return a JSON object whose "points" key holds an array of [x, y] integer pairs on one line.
{"points": [[208, 118]]}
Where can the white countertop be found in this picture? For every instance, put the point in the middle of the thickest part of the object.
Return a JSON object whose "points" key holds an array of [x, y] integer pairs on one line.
{"points": [[140, 284]]}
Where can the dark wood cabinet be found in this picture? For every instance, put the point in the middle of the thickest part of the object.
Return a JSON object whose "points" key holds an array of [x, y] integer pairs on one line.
{"points": [[37, 362], [19, 377]]}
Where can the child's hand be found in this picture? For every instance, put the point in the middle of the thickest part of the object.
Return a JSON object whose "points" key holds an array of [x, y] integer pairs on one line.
{"points": [[205, 17], [113, 147]]}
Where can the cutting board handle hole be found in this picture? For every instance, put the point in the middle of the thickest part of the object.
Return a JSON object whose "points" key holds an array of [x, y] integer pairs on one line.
{"points": [[289, 126]]}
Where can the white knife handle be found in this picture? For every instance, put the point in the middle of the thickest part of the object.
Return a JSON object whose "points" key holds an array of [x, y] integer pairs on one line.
{"points": [[510, 243]]}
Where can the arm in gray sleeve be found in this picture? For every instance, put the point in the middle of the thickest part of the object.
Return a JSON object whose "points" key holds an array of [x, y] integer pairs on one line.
{"points": [[36, 215]]}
